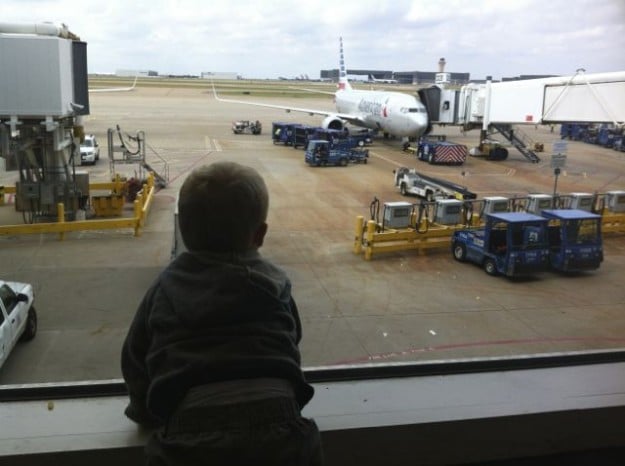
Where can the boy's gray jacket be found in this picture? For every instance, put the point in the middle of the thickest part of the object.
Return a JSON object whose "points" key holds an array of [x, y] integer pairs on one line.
{"points": [[208, 318]]}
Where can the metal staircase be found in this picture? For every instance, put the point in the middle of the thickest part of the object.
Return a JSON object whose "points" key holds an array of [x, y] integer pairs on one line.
{"points": [[520, 140], [132, 149]]}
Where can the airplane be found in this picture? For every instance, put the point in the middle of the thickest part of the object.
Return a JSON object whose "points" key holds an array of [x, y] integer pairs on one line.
{"points": [[383, 81], [116, 89], [393, 113]]}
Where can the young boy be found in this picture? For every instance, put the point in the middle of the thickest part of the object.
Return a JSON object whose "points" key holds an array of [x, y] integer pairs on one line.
{"points": [[211, 357]]}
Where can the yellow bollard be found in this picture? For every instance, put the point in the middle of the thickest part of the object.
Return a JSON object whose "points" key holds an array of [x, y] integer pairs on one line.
{"points": [[360, 222], [138, 209], [141, 196], [118, 186], [60, 213], [369, 244]]}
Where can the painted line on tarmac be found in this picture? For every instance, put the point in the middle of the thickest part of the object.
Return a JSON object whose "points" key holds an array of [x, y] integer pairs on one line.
{"points": [[479, 344], [508, 172], [371, 153], [212, 144]]}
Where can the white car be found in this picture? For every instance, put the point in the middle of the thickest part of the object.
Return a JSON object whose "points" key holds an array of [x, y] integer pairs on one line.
{"points": [[18, 318], [89, 150]]}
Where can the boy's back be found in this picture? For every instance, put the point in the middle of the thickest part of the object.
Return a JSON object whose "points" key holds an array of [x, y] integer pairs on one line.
{"points": [[211, 357]]}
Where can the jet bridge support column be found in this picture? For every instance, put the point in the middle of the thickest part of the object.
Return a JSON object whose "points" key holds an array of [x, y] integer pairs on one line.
{"points": [[39, 116], [486, 119], [43, 151]]}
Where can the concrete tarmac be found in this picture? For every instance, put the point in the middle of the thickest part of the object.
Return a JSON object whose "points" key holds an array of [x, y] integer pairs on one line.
{"points": [[396, 307]]}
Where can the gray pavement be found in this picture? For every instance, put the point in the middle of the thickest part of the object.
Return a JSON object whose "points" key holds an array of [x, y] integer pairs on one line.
{"points": [[397, 307]]}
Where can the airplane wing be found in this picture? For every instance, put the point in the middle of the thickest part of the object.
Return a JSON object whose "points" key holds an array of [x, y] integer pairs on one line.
{"points": [[354, 119], [116, 89], [312, 91]]}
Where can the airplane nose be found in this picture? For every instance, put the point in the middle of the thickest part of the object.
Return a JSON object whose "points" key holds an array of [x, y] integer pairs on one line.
{"points": [[419, 124]]}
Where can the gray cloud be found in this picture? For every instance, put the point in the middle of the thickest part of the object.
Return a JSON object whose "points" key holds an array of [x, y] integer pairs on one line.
{"points": [[272, 38]]}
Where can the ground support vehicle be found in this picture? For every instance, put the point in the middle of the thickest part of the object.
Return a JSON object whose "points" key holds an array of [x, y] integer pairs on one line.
{"points": [[607, 136], [282, 133], [601, 134], [247, 126], [510, 244], [18, 318], [574, 131], [302, 134], [345, 138], [322, 153], [337, 138], [89, 150], [409, 181], [333, 136], [490, 149], [424, 226], [439, 151], [342, 138], [363, 137], [575, 241]]}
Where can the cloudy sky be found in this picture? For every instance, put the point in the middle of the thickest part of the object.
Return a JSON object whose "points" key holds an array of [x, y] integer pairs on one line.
{"points": [[271, 38]]}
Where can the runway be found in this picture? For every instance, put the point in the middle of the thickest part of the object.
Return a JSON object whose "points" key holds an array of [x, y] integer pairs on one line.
{"points": [[397, 307]]}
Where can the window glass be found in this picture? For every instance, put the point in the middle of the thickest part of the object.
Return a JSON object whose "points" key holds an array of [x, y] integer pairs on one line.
{"points": [[368, 294], [9, 299]]}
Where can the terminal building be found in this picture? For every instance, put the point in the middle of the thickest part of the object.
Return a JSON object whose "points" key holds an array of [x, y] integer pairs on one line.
{"points": [[402, 77], [420, 77], [219, 75], [133, 73]]}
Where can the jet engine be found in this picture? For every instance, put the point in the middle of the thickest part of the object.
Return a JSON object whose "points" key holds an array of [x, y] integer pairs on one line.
{"points": [[333, 122]]}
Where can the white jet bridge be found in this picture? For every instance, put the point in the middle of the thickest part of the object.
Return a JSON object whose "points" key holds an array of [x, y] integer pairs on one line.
{"points": [[581, 98], [43, 101]]}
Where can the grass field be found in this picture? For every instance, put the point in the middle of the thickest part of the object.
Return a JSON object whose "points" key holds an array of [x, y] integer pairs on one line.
{"points": [[261, 88]]}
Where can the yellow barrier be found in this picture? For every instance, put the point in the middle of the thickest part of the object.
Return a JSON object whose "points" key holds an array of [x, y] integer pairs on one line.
{"points": [[142, 206], [116, 186], [613, 223], [110, 205], [390, 240]]}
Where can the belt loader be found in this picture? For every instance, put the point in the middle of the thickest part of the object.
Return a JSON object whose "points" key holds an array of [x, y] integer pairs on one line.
{"points": [[409, 181]]}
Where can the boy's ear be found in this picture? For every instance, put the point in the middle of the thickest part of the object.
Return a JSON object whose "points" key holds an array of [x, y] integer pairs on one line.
{"points": [[259, 235]]}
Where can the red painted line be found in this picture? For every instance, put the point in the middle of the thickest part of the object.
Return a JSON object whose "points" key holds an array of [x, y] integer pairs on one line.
{"points": [[429, 349]]}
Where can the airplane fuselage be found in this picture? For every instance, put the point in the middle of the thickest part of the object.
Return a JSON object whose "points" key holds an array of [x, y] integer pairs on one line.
{"points": [[394, 113]]}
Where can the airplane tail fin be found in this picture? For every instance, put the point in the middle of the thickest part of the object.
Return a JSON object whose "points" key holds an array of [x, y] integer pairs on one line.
{"points": [[343, 82]]}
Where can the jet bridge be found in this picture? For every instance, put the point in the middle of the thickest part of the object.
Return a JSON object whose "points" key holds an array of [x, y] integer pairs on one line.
{"points": [[581, 98], [44, 97]]}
